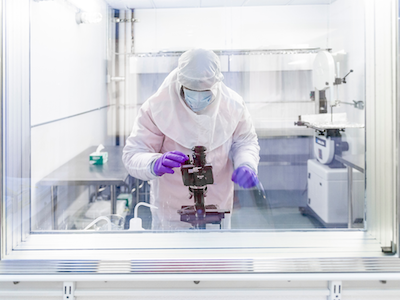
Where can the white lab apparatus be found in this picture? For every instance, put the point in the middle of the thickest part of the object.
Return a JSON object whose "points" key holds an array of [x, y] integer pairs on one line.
{"points": [[328, 194], [324, 72]]}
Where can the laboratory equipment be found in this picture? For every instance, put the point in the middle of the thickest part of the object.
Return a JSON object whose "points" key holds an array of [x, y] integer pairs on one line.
{"points": [[197, 174], [330, 192], [326, 78], [136, 223]]}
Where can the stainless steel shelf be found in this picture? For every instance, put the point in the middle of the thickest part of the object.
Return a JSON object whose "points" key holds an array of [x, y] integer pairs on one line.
{"points": [[354, 161]]}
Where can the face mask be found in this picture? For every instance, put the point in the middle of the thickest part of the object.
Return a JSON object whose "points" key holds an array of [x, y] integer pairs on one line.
{"points": [[197, 101]]}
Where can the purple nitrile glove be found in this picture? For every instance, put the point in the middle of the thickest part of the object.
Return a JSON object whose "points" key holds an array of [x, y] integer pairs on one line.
{"points": [[245, 177], [168, 161]]}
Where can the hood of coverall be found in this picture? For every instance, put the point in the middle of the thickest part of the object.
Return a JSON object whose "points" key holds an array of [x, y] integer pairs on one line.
{"points": [[198, 69]]}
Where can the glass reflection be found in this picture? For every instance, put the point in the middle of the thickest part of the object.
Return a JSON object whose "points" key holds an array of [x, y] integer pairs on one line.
{"points": [[270, 89]]}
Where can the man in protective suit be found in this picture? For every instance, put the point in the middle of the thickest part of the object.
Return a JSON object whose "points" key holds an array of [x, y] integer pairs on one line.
{"points": [[193, 107]]}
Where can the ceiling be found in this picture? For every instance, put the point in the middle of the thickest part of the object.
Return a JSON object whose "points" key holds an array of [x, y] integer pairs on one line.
{"points": [[150, 4]]}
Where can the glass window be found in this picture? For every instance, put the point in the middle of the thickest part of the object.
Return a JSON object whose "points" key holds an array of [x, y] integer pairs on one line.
{"points": [[277, 128]]}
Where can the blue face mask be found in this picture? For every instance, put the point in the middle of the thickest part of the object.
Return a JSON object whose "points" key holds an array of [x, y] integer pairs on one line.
{"points": [[197, 101]]}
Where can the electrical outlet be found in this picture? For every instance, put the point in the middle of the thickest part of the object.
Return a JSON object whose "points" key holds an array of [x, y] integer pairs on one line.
{"points": [[335, 288], [69, 290]]}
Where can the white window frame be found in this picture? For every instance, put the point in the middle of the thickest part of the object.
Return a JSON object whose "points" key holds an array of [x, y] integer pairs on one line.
{"points": [[221, 253]]}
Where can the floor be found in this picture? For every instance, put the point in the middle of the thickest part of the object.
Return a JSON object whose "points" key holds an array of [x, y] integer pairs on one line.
{"points": [[278, 210], [277, 218]]}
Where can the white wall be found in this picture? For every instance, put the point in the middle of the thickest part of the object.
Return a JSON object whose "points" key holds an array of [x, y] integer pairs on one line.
{"points": [[68, 62], [68, 77], [231, 28], [262, 27], [347, 35]]}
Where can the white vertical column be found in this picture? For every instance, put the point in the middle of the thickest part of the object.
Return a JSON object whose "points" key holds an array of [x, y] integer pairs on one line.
{"points": [[121, 74], [127, 85], [111, 87], [16, 103], [381, 111]]}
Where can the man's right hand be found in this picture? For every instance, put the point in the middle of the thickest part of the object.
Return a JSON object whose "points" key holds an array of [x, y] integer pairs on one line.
{"points": [[167, 161]]}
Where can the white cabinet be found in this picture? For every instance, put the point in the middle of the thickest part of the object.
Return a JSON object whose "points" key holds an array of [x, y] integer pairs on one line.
{"points": [[327, 193]]}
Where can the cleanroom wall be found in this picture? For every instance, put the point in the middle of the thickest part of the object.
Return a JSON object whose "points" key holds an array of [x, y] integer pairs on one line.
{"points": [[241, 28], [259, 27], [68, 99]]}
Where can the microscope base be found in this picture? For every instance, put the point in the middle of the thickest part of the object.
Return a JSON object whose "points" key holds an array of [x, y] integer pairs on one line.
{"points": [[213, 215]]}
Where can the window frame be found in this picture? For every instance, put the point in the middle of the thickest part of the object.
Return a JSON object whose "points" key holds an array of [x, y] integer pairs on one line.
{"points": [[379, 18]]}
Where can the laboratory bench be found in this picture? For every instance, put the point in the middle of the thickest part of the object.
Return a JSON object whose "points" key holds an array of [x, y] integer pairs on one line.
{"points": [[283, 132], [78, 171]]}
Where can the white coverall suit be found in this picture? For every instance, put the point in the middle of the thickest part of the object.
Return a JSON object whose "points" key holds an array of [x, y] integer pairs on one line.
{"points": [[165, 123]]}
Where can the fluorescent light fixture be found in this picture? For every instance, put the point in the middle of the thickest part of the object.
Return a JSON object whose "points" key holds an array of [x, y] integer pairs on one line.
{"points": [[88, 17]]}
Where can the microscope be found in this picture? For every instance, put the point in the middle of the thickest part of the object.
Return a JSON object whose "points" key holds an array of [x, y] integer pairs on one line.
{"points": [[197, 174]]}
